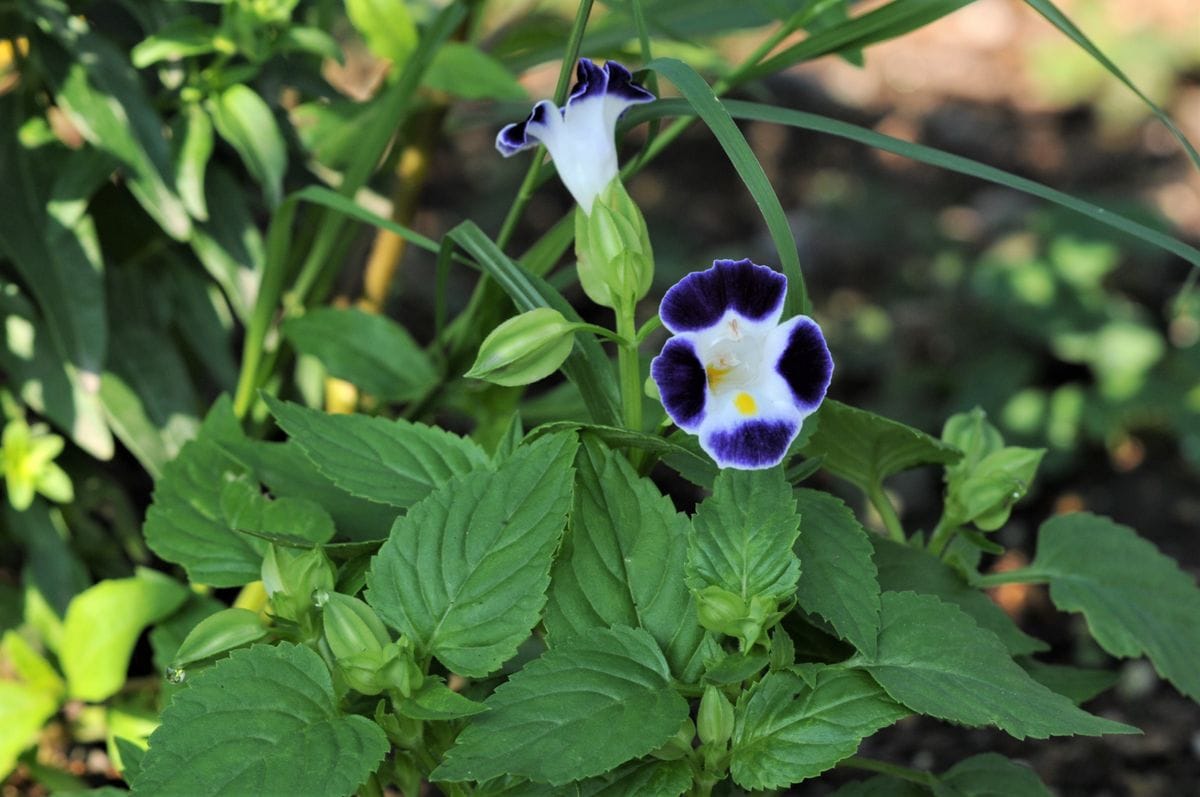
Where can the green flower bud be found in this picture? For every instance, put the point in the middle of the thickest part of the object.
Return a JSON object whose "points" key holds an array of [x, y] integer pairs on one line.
{"points": [[612, 245], [714, 721], [351, 626], [678, 745], [291, 576], [525, 348], [726, 613], [218, 633], [364, 671]]}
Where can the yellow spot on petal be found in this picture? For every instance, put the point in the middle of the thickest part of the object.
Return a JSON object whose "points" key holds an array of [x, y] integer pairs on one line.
{"points": [[744, 403], [715, 375]]}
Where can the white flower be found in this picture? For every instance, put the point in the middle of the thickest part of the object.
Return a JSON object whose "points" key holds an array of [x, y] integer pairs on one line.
{"points": [[580, 135]]}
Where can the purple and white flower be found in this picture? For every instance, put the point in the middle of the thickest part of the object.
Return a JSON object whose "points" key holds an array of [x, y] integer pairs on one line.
{"points": [[580, 135], [732, 373]]}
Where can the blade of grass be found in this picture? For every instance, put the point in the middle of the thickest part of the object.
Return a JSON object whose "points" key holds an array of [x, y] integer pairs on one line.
{"points": [[700, 96], [929, 155], [1057, 18]]}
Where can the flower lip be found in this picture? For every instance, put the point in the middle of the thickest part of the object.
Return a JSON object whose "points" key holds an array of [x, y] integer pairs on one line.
{"points": [[732, 373], [580, 135]]}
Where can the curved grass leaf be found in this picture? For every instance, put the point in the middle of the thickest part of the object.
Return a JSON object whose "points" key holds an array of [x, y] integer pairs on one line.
{"points": [[464, 573], [700, 96], [577, 711], [266, 719], [788, 730], [934, 659], [622, 563], [924, 154], [1136, 600], [839, 580], [389, 462]]}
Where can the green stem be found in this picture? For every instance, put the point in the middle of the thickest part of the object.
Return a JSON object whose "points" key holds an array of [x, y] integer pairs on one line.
{"points": [[1025, 575], [943, 533], [629, 373], [887, 512], [525, 192], [607, 334], [884, 768]]}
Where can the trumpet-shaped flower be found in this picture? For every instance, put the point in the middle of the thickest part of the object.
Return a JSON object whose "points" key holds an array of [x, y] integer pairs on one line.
{"points": [[580, 135], [732, 373]]}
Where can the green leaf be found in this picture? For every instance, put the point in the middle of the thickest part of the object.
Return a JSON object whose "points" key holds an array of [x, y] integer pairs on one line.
{"points": [[839, 581], [934, 659], [902, 567], [622, 563], [464, 573], [881, 786], [387, 26], [23, 711], [390, 462], [368, 350], [620, 437], [864, 448], [185, 524], [266, 717], [577, 711], [1136, 600], [701, 97], [649, 777], [465, 71], [1077, 683], [102, 625], [104, 98], [744, 534], [245, 508], [788, 730], [178, 39], [191, 160], [246, 122], [435, 701], [44, 381], [989, 775]]}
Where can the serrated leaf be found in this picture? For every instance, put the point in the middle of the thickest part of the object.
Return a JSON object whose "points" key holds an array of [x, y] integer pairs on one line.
{"points": [[1077, 683], [934, 659], [902, 568], [464, 70], [103, 624], [788, 730], [864, 448], [577, 711], [839, 581], [1136, 600], [744, 534], [246, 509], [245, 120], [391, 462], [436, 701], [265, 718], [622, 562], [464, 573], [185, 524], [370, 351], [989, 775], [649, 777]]}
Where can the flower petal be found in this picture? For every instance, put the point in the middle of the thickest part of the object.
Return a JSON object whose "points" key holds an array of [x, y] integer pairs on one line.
{"points": [[681, 383], [525, 135], [700, 299], [750, 445], [802, 358]]}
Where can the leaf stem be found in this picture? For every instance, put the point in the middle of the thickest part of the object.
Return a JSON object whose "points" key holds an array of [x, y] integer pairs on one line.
{"points": [[884, 768], [629, 373], [887, 512], [1026, 575], [943, 533]]}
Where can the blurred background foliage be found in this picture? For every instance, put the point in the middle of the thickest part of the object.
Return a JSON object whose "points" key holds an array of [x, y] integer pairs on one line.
{"points": [[146, 146]]}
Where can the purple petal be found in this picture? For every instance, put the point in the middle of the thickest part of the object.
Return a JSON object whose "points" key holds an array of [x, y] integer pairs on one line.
{"points": [[620, 84], [590, 81], [700, 299], [751, 445], [806, 364], [681, 382], [516, 137]]}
